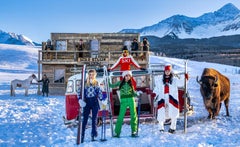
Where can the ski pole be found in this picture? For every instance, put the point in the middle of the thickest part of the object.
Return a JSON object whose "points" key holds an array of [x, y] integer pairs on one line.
{"points": [[185, 99], [139, 109], [103, 133], [108, 98], [102, 127]]}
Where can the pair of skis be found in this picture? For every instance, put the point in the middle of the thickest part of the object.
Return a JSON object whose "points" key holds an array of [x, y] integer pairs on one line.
{"points": [[106, 81], [79, 131]]}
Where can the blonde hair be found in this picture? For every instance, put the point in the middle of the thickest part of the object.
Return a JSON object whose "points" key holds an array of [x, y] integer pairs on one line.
{"points": [[94, 82]]}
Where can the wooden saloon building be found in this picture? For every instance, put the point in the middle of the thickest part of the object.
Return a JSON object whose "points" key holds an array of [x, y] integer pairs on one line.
{"points": [[64, 59]]}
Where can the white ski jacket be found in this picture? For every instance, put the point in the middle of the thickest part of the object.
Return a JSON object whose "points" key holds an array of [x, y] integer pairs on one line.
{"points": [[168, 104]]}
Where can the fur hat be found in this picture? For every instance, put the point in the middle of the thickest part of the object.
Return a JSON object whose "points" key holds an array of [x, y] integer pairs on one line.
{"points": [[125, 48], [168, 67], [127, 72], [125, 51]]}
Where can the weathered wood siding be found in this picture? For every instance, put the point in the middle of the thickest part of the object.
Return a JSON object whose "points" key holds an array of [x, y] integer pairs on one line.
{"points": [[110, 50]]}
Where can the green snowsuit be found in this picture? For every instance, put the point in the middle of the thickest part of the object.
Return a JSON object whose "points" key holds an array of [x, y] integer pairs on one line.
{"points": [[127, 95]]}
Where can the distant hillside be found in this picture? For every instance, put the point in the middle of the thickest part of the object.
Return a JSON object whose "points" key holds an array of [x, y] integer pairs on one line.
{"points": [[224, 49], [172, 42], [16, 39], [211, 37]]}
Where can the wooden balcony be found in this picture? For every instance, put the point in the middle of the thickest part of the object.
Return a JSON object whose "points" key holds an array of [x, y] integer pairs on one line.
{"points": [[99, 58]]}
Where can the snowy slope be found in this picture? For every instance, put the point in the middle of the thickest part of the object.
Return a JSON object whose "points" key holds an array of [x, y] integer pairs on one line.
{"points": [[17, 39], [37, 120], [224, 21]]}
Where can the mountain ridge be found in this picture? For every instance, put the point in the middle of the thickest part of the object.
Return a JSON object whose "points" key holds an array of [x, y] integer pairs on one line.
{"points": [[224, 21], [17, 39]]}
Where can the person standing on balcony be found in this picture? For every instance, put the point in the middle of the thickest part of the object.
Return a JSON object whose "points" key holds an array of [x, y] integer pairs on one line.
{"points": [[80, 47], [145, 46], [49, 47], [134, 46], [125, 62]]}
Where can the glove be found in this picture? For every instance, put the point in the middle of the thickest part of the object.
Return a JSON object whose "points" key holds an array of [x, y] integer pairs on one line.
{"points": [[142, 68], [139, 93], [108, 69], [104, 102], [186, 76], [153, 95], [82, 103]]}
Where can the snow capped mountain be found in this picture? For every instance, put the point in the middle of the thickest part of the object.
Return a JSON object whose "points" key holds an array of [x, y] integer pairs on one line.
{"points": [[225, 21], [12, 38], [234, 25]]}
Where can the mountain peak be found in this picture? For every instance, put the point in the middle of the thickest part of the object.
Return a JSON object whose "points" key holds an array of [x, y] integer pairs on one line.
{"points": [[210, 24], [17, 39], [228, 10], [229, 7]]}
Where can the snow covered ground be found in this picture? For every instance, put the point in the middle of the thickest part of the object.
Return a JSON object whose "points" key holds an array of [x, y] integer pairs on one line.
{"points": [[37, 121]]}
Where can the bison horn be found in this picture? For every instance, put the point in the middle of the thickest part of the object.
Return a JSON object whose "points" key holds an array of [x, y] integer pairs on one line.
{"points": [[216, 79], [199, 82]]}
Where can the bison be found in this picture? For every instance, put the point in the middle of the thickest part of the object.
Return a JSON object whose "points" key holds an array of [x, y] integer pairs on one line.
{"points": [[215, 88]]}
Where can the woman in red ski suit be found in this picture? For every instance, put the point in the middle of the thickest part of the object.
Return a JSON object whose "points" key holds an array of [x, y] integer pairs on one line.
{"points": [[125, 62]]}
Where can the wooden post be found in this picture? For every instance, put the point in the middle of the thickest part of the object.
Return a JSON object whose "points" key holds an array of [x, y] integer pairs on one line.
{"points": [[38, 91]]}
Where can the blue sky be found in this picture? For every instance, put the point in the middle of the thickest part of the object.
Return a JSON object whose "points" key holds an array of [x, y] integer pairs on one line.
{"points": [[36, 19]]}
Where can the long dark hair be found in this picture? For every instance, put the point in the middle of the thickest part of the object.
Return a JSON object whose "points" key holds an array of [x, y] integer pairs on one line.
{"points": [[129, 82], [165, 77]]}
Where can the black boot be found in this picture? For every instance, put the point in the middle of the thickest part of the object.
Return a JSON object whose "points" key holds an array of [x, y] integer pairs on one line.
{"points": [[134, 134], [161, 131], [82, 139], [93, 139], [171, 131]]}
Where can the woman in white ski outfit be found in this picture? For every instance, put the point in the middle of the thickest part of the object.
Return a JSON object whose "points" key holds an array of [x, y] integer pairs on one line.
{"points": [[166, 99]]}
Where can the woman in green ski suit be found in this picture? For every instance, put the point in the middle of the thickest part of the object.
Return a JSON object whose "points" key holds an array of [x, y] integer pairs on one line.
{"points": [[127, 95]]}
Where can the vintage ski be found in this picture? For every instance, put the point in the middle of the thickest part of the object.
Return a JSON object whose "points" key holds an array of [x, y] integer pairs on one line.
{"points": [[185, 98], [103, 132], [79, 131], [106, 78]]}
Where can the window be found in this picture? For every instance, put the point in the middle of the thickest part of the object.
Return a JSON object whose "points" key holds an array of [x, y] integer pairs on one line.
{"points": [[78, 85], [61, 45], [94, 47], [70, 86], [59, 75]]}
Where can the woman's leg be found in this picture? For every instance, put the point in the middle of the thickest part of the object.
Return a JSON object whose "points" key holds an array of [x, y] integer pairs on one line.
{"points": [[86, 112], [123, 107], [133, 114], [94, 121]]}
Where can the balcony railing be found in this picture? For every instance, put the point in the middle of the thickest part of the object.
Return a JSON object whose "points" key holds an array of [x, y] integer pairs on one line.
{"points": [[86, 57]]}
